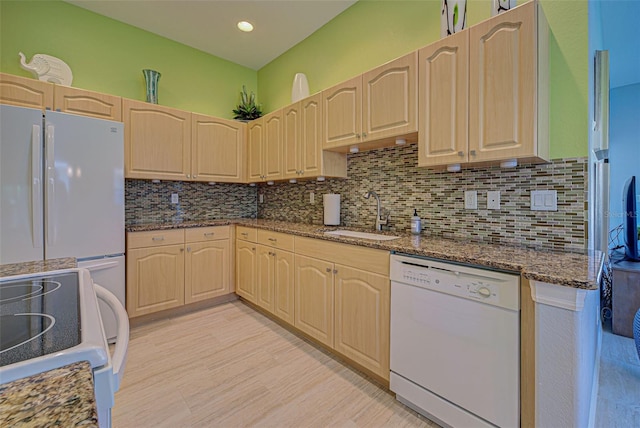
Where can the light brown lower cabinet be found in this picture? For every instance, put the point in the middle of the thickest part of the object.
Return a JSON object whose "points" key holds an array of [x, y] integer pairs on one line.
{"points": [[337, 294], [166, 269]]}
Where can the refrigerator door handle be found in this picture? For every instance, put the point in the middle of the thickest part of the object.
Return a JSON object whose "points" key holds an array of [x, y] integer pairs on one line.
{"points": [[51, 185], [101, 266], [36, 185]]}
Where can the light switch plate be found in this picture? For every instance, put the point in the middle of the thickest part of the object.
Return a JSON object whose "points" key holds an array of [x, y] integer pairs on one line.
{"points": [[261, 198], [544, 200], [493, 200], [471, 200]]}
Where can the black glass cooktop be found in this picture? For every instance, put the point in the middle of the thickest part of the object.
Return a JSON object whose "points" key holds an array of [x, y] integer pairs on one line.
{"points": [[38, 316]]}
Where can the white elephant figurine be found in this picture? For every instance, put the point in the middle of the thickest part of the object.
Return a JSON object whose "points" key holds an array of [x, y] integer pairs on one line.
{"points": [[48, 68]]}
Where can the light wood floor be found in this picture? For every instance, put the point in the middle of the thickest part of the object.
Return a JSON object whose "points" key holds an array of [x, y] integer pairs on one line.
{"points": [[619, 383], [229, 366]]}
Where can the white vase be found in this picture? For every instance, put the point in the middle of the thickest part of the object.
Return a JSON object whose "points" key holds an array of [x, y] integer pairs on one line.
{"points": [[453, 17], [499, 6], [300, 87]]}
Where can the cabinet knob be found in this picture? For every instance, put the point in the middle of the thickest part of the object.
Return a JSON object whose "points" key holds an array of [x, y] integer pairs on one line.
{"points": [[358, 136], [460, 154], [472, 152], [335, 271], [182, 250], [188, 175], [364, 135], [195, 176], [253, 249], [188, 249], [328, 270]]}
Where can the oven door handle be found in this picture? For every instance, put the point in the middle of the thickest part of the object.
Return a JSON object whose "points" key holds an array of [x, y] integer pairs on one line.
{"points": [[119, 358]]}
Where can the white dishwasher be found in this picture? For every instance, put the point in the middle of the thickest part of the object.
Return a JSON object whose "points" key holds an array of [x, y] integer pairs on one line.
{"points": [[455, 342]]}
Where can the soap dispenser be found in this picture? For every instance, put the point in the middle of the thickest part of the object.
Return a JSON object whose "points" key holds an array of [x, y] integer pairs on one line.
{"points": [[416, 223]]}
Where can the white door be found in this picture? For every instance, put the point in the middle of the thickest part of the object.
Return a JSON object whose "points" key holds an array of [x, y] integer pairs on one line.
{"points": [[21, 200], [84, 192], [108, 272]]}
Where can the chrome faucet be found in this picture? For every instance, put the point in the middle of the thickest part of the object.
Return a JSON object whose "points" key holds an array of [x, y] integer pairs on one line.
{"points": [[380, 220]]}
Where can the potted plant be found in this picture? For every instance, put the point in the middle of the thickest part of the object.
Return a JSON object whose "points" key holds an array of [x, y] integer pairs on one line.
{"points": [[247, 109]]}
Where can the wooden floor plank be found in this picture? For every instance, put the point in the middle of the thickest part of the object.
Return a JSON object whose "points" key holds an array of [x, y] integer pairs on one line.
{"points": [[229, 366]]}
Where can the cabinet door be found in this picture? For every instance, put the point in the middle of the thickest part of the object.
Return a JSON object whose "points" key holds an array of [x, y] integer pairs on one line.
{"points": [[444, 92], [313, 311], [502, 86], [157, 141], [87, 103], [311, 137], [217, 149], [362, 318], [342, 110], [266, 263], [283, 285], [246, 270], [255, 170], [25, 92], [389, 100], [291, 141], [272, 142], [155, 279], [207, 272]]}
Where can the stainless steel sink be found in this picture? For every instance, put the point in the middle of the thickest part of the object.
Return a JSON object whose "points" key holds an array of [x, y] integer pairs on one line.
{"points": [[361, 235]]}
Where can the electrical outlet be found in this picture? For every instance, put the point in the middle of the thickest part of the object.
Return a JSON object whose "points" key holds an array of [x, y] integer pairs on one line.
{"points": [[312, 198], [493, 200], [471, 200], [261, 198], [174, 198]]}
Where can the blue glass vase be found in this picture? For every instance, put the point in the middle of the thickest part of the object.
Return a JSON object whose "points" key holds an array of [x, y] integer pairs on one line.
{"points": [[151, 78]]}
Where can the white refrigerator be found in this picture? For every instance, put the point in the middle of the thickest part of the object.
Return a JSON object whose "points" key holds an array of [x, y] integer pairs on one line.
{"points": [[62, 194]]}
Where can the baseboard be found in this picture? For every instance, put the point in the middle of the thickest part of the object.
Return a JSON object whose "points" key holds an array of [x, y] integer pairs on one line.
{"points": [[596, 382]]}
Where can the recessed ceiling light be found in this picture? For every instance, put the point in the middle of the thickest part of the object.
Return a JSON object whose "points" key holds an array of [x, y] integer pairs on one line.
{"points": [[245, 26]]}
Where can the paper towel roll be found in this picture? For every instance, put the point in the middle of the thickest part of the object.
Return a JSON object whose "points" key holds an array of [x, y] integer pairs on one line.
{"points": [[331, 203]]}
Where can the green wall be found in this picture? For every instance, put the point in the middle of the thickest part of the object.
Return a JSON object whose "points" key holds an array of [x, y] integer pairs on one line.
{"points": [[372, 32], [108, 56]]}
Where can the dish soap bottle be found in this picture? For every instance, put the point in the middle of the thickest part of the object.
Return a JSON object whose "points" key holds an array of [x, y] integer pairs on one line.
{"points": [[416, 223]]}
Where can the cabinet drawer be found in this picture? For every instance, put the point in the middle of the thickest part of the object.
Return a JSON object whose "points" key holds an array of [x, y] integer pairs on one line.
{"points": [[155, 238], [276, 239], [246, 233], [367, 259], [202, 234]]}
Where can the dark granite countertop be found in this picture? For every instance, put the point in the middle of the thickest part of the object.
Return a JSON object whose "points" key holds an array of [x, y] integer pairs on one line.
{"points": [[61, 397], [575, 270], [37, 266]]}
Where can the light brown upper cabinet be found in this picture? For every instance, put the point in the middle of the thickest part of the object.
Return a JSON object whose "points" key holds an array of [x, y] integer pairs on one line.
{"points": [[508, 87], [157, 141], [371, 110], [484, 92], [444, 101], [87, 103], [217, 149], [25, 92], [302, 143], [265, 148]]}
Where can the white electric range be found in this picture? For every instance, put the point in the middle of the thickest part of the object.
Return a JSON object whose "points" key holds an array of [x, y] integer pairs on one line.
{"points": [[49, 320]]}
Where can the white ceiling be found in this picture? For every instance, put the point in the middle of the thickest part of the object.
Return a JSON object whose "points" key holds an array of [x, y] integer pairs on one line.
{"points": [[210, 25]]}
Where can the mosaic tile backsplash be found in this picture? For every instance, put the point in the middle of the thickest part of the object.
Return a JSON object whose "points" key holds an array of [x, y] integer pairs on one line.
{"points": [[439, 198], [148, 202], [392, 173]]}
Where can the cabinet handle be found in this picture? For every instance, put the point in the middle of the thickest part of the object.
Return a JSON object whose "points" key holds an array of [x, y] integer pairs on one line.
{"points": [[472, 152], [328, 270], [273, 239], [244, 234], [209, 234], [460, 153], [335, 271], [158, 238]]}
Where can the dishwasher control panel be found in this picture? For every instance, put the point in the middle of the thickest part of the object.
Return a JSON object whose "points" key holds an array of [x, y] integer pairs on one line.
{"points": [[496, 288]]}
